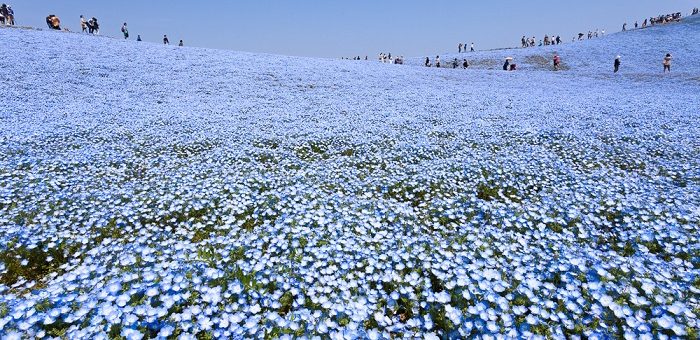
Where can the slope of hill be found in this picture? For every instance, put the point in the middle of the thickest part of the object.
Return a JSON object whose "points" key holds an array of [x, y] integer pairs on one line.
{"points": [[642, 52], [151, 191]]}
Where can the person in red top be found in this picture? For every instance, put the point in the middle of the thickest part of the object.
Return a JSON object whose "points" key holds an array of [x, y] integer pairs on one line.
{"points": [[557, 62]]}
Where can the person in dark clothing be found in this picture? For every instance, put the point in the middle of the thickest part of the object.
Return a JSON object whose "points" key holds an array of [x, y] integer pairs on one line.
{"points": [[437, 61], [506, 65], [181, 43], [465, 64], [617, 64], [48, 21], [165, 40], [4, 15], [427, 62], [138, 37]]}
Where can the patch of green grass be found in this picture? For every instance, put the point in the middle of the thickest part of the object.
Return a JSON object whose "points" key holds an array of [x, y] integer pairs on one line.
{"points": [[37, 267]]}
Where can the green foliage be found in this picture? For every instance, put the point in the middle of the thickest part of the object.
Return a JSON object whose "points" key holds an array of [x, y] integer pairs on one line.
{"points": [[286, 302], [37, 266]]}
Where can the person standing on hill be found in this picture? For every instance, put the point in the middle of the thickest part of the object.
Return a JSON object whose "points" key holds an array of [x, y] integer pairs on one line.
{"points": [[472, 48], [624, 27], [125, 31], [460, 47], [165, 40], [427, 62], [181, 44], [557, 62], [83, 24], [437, 61], [3, 15], [138, 37], [667, 62], [465, 64], [617, 63], [10, 16]]}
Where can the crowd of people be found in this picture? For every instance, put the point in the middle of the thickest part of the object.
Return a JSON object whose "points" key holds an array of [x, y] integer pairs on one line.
{"points": [[7, 15], [546, 41], [659, 20], [385, 58], [463, 47], [90, 26], [453, 64]]}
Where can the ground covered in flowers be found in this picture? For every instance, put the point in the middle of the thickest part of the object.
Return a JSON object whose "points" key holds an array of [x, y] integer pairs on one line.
{"points": [[150, 191]]}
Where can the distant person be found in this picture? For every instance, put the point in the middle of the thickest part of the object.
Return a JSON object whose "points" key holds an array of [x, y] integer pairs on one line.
{"points": [[667, 62], [3, 15], [465, 64], [93, 26], [636, 25], [455, 63], [460, 47], [125, 31], [506, 65], [472, 48], [165, 40], [427, 62], [54, 22], [181, 44], [7, 15], [437, 61], [83, 24], [10, 16], [624, 27], [138, 37], [557, 62], [617, 63]]}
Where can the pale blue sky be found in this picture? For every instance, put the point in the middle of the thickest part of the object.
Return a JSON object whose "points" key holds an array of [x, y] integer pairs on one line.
{"points": [[335, 28]]}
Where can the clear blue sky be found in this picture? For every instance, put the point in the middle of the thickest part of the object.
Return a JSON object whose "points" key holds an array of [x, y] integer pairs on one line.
{"points": [[336, 28]]}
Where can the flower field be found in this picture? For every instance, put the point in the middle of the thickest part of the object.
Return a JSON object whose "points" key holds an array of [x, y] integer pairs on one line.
{"points": [[163, 192]]}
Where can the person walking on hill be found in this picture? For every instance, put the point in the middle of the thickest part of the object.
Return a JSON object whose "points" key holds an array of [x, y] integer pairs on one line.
{"points": [[557, 62], [617, 64], [83, 24], [125, 31], [667, 62], [165, 40], [460, 47], [472, 48]]}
